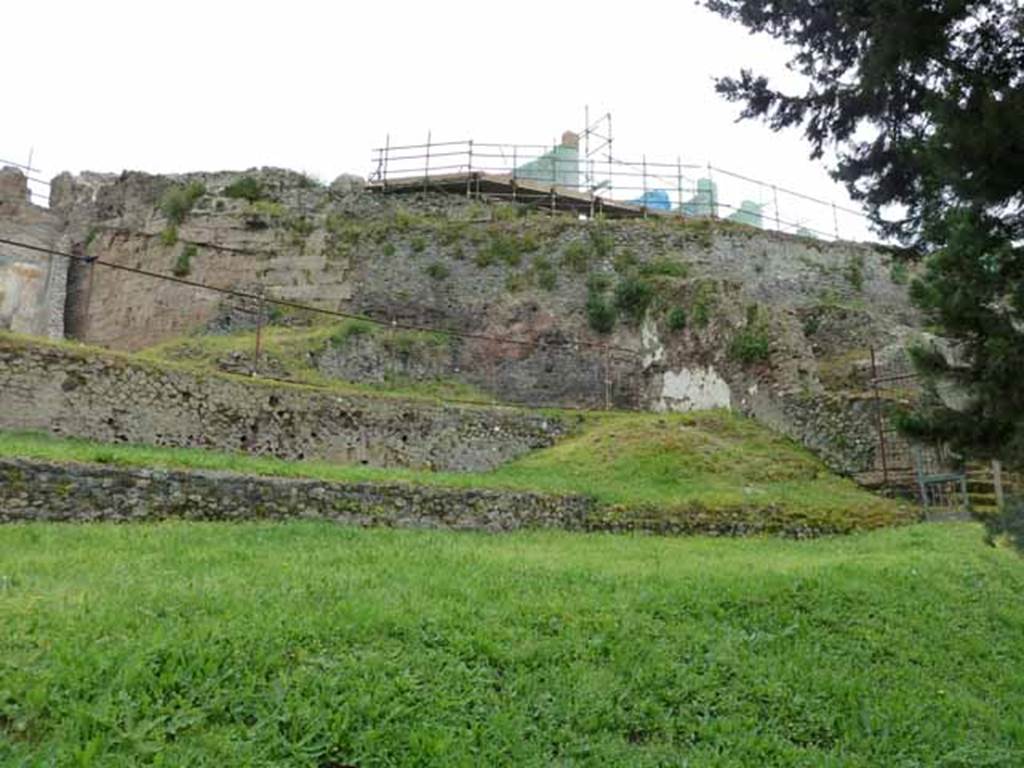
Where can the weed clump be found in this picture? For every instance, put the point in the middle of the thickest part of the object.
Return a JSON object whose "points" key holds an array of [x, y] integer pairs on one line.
{"points": [[169, 235], [854, 272], [624, 262], [301, 226], [183, 265], [676, 319], [176, 203], [576, 256], [598, 282], [601, 242], [664, 267], [246, 188], [632, 298], [437, 271], [544, 272], [752, 343], [899, 273], [703, 304], [601, 313], [349, 330], [501, 247]]}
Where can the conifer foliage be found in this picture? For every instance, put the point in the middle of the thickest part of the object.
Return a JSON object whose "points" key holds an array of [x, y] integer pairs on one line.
{"points": [[923, 103]]}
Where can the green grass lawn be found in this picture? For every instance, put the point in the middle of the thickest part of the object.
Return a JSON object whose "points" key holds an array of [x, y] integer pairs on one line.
{"points": [[310, 644], [713, 460]]}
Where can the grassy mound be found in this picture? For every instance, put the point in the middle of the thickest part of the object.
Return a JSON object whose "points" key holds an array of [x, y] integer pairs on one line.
{"points": [[695, 470], [307, 644]]}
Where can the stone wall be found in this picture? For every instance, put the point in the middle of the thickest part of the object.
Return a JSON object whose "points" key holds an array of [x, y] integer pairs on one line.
{"points": [[41, 491], [45, 491], [32, 284], [114, 398], [443, 261]]}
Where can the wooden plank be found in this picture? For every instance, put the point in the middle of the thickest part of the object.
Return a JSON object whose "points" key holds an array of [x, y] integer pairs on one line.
{"points": [[523, 190]]}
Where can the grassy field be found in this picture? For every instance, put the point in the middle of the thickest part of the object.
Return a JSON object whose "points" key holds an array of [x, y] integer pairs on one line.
{"points": [[714, 460], [308, 644]]}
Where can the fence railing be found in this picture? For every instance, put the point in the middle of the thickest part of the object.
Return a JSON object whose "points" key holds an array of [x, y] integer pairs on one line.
{"points": [[939, 479], [655, 186]]}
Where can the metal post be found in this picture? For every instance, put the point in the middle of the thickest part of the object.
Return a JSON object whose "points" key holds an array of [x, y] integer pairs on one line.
{"points": [[778, 222], [611, 184], [679, 183], [711, 191], [259, 336], [469, 177], [387, 147], [878, 416], [644, 198], [515, 164], [835, 219], [997, 484], [426, 167], [586, 147]]}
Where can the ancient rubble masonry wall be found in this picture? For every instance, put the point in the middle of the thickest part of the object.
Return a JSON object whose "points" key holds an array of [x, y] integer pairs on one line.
{"points": [[114, 398], [31, 490], [47, 491], [32, 283], [434, 260]]}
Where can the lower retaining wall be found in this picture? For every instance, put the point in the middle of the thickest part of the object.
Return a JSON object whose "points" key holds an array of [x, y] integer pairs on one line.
{"points": [[115, 398], [44, 491]]}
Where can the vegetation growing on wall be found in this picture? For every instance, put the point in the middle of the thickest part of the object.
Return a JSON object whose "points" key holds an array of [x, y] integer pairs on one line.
{"points": [[633, 296], [169, 235], [183, 264], [576, 256], [601, 313], [437, 271], [854, 271], [177, 201], [675, 320], [246, 188], [703, 305], [544, 273], [751, 343]]}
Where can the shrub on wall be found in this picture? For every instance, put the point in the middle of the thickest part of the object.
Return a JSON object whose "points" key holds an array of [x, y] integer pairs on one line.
{"points": [[245, 188], [676, 319], [576, 256], [169, 235], [183, 266], [632, 298], [601, 314], [752, 343], [437, 271], [544, 272], [177, 201]]}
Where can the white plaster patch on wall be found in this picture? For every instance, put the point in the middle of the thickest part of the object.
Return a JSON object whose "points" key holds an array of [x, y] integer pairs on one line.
{"points": [[654, 350], [696, 389]]}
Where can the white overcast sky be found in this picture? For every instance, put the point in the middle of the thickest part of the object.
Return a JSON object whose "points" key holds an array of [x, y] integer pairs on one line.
{"points": [[313, 86]]}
